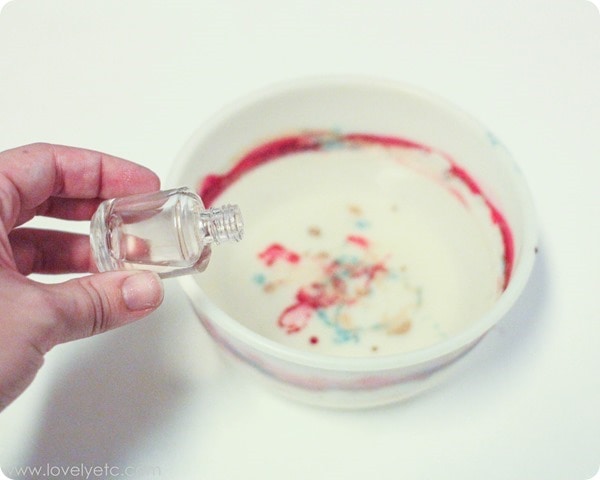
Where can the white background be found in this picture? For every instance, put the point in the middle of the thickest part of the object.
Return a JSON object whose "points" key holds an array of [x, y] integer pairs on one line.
{"points": [[136, 78]]}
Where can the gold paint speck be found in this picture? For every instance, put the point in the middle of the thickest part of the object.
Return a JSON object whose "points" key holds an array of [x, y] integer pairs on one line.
{"points": [[314, 231], [345, 321], [355, 210], [272, 286], [400, 328]]}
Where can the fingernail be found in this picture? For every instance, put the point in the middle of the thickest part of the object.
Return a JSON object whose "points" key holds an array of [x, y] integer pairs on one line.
{"points": [[142, 291]]}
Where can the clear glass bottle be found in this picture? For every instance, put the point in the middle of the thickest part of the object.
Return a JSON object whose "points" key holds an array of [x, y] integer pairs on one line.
{"points": [[169, 232]]}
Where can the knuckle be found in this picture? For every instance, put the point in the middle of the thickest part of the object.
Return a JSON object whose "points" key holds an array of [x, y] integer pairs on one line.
{"points": [[37, 146], [79, 309], [96, 307]]}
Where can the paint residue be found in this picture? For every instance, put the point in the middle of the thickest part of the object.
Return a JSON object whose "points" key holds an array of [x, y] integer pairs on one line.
{"points": [[213, 185], [348, 276], [277, 252]]}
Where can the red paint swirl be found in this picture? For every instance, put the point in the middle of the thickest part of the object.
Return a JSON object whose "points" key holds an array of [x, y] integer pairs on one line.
{"points": [[213, 185]]}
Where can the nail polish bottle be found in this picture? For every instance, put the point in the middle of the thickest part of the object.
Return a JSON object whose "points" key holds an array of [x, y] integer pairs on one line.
{"points": [[169, 232]]}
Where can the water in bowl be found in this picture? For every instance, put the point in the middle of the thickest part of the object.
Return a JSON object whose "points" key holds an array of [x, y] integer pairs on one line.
{"points": [[356, 245]]}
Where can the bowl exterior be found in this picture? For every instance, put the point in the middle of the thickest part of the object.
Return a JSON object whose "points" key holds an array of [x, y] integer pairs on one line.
{"points": [[334, 388]]}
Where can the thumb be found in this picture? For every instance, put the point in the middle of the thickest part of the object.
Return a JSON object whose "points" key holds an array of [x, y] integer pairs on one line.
{"points": [[97, 303]]}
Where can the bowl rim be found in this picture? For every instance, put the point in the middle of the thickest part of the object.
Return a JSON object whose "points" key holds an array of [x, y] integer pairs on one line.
{"points": [[439, 350]]}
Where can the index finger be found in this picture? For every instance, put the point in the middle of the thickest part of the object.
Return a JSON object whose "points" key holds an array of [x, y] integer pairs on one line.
{"points": [[31, 174]]}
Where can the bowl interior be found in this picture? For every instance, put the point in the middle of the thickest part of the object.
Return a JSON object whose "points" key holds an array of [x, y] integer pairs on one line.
{"points": [[447, 245]]}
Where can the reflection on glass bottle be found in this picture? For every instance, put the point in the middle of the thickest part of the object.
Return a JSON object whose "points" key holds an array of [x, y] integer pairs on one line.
{"points": [[169, 232]]}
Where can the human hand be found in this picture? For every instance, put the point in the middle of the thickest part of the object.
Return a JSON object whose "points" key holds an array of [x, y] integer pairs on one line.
{"points": [[67, 183]]}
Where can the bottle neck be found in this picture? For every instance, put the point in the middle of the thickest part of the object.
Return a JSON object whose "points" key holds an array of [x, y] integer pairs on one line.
{"points": [[222, 224]]}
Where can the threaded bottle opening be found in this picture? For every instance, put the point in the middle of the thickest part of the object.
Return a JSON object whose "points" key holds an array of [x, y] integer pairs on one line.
{"points": [[223, 224]]}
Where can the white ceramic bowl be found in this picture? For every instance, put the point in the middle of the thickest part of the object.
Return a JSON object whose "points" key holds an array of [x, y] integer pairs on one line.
{"points": [[369, 107]]}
